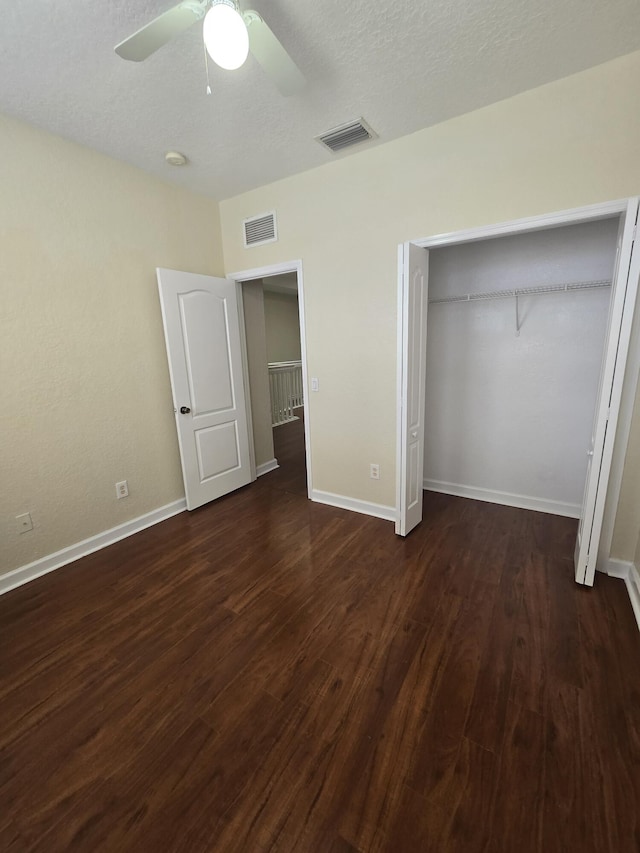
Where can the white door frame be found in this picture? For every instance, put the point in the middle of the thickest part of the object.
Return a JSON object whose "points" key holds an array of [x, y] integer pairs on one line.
{"points": [[573, 216], [281, 269]]}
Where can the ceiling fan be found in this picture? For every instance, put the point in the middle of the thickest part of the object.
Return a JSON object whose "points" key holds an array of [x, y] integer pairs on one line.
{"points": [[228, 36]]}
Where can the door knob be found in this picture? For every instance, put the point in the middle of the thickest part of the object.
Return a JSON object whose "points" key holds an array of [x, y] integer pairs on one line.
{"points": [[185, 410]]}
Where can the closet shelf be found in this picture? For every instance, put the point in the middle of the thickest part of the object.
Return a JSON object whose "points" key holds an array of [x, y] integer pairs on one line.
{"points": [[524, 291]]}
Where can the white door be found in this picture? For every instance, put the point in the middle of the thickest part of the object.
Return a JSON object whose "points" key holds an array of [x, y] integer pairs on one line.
{"points": [[623, 299], [413, 285], [202, 334]]}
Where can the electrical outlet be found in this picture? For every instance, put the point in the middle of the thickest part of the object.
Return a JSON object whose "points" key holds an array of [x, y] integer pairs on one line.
{"points": [[122, 489], [24, 522], [374, 471]]}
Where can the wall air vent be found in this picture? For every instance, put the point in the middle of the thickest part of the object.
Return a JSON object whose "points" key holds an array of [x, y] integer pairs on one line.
{"points": [[346, 135], [260, 229]]}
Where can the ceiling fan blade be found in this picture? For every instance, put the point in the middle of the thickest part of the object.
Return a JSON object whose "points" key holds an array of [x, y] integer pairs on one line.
{"points": [[272, 57], [161, 30]]}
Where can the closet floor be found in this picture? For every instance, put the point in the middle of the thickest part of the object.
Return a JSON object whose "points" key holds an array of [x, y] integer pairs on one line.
{"points": [[266, 673]]}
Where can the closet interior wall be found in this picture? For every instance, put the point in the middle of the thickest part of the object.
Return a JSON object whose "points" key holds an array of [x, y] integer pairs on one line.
{"points": [[509, 413]]}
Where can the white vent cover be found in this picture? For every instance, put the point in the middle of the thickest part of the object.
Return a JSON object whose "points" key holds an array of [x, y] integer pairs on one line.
{"points": [[260, 229], [352, 133]]}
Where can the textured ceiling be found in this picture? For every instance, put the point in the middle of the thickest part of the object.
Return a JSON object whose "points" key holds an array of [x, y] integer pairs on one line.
{"points": [[402, 65]]}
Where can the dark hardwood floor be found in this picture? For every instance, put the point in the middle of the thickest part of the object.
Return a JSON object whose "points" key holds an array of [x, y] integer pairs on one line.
{"points": [[288, 445], [268, 674]]}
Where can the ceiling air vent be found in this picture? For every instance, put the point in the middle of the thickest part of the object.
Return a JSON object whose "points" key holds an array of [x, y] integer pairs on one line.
{"points": [[260, 229], [346, 135]]}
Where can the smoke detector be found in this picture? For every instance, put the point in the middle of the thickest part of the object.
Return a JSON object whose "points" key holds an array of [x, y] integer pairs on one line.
{"points": [[175, 158]]}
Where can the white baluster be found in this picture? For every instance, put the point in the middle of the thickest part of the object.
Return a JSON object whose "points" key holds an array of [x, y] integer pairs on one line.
{"points": [[286, 390]]}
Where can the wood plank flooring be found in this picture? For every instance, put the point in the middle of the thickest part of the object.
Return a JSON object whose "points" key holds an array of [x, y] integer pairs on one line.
{"points": [[288, 445], [268, 674]]}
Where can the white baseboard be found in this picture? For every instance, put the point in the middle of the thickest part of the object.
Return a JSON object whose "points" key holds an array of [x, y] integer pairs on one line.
{"points": [[506, 498], [618, 568], [27, 573], [388, 513], [631, 576], [265, 467]]}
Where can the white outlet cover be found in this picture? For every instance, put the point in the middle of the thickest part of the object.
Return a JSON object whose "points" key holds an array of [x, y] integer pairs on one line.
{"points": [[122, 489]]}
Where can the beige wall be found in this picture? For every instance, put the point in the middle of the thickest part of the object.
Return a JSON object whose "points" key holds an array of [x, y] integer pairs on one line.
{"points": [[571, 143], [85, 385], [626, 533], [282, 326], [254, 319]]}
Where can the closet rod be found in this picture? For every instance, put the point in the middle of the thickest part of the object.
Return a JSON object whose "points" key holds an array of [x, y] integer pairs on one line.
{"points": [[525, 291]]}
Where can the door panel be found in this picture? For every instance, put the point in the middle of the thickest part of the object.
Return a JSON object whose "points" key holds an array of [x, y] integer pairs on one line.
{"points": [[207, 350], [414, 283], [218, 450], [623, 299], [202, 334], [415, 481]]}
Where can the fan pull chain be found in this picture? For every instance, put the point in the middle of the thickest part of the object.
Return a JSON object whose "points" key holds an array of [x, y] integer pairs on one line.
{"points": [[206, 65]]}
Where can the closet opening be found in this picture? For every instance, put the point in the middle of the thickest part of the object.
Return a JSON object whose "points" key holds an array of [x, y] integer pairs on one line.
{"points": [[513, 348], [516, 329]]}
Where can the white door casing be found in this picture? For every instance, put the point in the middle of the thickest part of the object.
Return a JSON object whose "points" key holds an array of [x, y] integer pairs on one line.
{"points": [[623, 300], [202, 334], [413, 286], [281, 269]]}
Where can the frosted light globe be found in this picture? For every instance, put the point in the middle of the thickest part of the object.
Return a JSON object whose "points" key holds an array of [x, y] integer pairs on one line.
{"points": [[225, 36]]}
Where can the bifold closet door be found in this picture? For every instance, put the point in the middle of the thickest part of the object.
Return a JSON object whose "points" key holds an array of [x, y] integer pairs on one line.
{"points": [[623, 299], [413, 286]]}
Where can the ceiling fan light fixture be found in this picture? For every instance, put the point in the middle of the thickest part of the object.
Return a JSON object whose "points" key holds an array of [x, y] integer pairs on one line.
{"points": [[225, 35]]}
